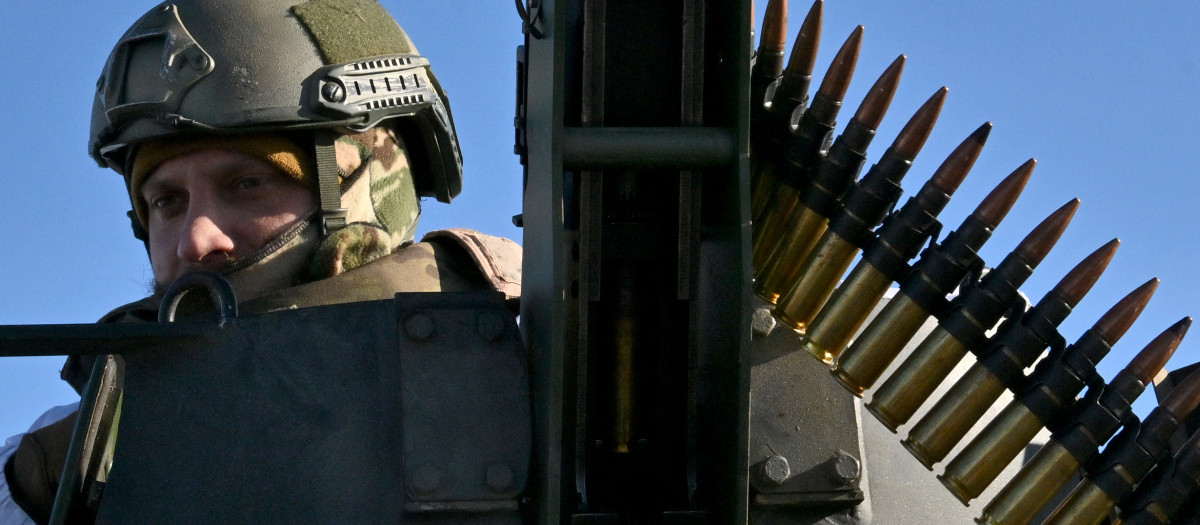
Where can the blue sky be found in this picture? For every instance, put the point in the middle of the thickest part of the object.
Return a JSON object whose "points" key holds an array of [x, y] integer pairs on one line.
{"points": [[1103, 97]]}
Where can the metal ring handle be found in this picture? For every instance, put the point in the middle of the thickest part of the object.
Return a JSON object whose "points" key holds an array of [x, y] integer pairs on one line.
{"points": [[219, 290], [529, 17]]}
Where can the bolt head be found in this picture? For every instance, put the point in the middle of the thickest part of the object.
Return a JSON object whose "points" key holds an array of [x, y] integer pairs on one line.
{"points": [[776, 470], [762, 322], [419, 327], [490, 326], [846, 468], [499, 477], [197, 61], [425, 478]]}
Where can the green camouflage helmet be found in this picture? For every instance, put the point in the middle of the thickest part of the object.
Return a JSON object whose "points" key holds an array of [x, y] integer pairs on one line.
{"points": [[231, 66]]}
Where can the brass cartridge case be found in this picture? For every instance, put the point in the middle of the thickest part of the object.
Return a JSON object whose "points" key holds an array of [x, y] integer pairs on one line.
{"points": [[845, 312], [623, 394], [788, 98], [863, 362], [1039, 480], [804, 147], [932, 438], [975, 312], [1013, 349], [763, 184], [973, 469], [894, 402], [771, 222], [1086, 505], [860, 365], [784, 263], [827, 262]]}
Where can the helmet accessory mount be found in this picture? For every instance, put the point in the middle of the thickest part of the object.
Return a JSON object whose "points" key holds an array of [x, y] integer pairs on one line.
{"points": [[158, 37]]}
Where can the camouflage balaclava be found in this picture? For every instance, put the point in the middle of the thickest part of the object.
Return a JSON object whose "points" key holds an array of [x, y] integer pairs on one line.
{"points": [[377, 190], [380, 198]]}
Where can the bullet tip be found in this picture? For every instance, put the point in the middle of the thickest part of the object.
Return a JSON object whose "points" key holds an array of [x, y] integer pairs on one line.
{"points": [[1038, 243], [774, 32], [875, 105], [955, 168], [1080, 279], [1151, 360], [1182, 400], [1114, 323], [804, 52], [914, 134], [996, 205], [837, 78]]}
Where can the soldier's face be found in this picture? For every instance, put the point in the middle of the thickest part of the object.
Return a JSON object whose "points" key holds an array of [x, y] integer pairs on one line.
{"points": [[211, 207]]}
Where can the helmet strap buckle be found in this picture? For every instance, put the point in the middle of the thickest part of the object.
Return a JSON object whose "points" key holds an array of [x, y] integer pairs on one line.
{"points": [[329, 189], [332, 220]]}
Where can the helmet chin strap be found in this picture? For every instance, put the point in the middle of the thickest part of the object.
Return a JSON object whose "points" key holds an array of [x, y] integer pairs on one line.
{"points": [[285, 238], [138, 231], [329, 191], [278, 264]]}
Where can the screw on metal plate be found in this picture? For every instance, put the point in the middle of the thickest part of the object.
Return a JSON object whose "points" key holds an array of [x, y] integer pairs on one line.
{"points": [[426, 478], [845, 468], [776, 470], [762, 322], [490, 326], [418, 327], [198, 61], [499, 477], [333, 92]]}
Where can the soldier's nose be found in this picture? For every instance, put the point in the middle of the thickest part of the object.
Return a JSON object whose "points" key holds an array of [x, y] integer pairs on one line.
{"points": [[204, 241]]}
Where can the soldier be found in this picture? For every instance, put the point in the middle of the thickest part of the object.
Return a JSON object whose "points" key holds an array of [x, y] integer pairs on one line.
{"points": [[296, 175]]}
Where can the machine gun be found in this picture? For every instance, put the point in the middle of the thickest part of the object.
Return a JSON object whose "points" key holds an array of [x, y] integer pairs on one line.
{"points": [[653, 401], [656, 391]]}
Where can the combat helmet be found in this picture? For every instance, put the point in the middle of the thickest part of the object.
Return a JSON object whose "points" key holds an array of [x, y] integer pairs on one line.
{"points": [[233, 67]]}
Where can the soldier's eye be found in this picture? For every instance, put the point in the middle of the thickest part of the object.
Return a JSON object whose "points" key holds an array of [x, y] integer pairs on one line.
{"points": [[250, 183], [164, 201]]}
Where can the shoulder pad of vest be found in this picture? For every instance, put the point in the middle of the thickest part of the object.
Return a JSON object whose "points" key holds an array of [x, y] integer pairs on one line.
{"points": [[498, 258]]}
